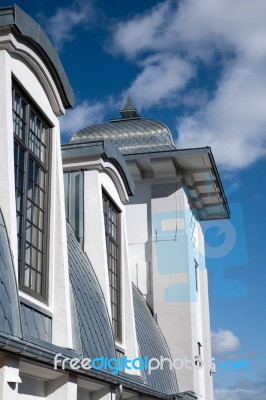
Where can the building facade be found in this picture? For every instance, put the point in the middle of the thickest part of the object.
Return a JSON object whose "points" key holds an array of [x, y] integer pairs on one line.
{"points": [[101, 249]]}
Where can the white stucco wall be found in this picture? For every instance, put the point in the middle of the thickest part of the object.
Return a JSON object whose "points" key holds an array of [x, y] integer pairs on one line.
{"points": [[165, 237]]}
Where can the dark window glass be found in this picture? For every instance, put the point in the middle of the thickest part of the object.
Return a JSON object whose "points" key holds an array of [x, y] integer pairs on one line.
{"points": [[112, 233], [31, 152]]}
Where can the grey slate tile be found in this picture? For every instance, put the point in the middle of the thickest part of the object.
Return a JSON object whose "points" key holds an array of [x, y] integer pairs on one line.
{"points": [[35, 324], [152, 344], [9, 305], [95, 331]]}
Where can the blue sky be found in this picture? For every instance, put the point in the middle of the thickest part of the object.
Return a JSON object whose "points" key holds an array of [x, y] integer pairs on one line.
{"points": [[199, 67]]}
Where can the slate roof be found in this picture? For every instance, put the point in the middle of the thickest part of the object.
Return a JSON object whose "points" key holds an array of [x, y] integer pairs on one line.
{"points": [[35, 324], [152, 343], [131, 133], [9, 306], [92, 327], [95, 331]]}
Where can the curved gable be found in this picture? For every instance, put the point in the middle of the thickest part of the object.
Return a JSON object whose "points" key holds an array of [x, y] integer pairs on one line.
{"points": [[22, 23]]}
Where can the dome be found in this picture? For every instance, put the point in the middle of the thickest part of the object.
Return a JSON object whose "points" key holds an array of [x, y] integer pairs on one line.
{"points": [[131, 133]]}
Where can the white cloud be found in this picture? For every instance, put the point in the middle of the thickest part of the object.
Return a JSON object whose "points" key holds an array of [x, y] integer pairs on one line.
{"points": [[61, 25], [141, 32], [82, 115], [232, 120], [196, 26], [159, 80], [243, 389], [224, 341], [238, 394]]}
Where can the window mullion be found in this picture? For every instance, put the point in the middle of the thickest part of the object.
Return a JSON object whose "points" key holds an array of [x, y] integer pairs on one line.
{"points": [[33, 268], [24, 215]]}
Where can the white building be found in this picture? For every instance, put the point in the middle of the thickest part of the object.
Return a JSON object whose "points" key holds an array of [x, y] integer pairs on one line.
{"points": [[130, 254]]}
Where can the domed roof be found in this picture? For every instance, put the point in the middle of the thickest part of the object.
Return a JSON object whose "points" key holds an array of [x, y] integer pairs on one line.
{"points": [[131, 133]]}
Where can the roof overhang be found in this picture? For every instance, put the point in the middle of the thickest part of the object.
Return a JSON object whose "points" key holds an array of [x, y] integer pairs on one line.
{"points": [[198, 172], [16, 19], [76, 156]]}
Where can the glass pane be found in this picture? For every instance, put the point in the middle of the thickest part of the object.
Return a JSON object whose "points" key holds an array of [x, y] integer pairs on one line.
{"points": [[23, 110], [43, 135], [35, 216], [19, 225], [22, 131], [40, 241], [30, 189], [19, 202], [33, 257], [31, 141], [39, 283], [34, 236], [41, 199], [39, 261], [33, 280], [32, 122], [37, 171], [28, 231], [20, 180], [40, 220], [21, 159], [42, 180], [16, 103], [31, 168], [38, 128], [36, 195], [16, 148], [43, 153], [115, 312], [16, 125], [37, 148], [29, 211], [27, 254], [27, 277]]}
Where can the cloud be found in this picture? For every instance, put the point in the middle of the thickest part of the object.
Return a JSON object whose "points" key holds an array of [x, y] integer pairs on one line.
{"points": [[81, 116], [159, 80], [234, 119], [243, 389], [239, 394], [224, 341], [142, 32], [224, 38], [61, 25]]}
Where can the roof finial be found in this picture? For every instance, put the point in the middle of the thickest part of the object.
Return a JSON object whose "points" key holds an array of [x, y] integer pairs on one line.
{"points": [[128, 110]]}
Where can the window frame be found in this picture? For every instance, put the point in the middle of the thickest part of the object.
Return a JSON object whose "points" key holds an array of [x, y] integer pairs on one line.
{"points": [[31, 106], [117, 241]]}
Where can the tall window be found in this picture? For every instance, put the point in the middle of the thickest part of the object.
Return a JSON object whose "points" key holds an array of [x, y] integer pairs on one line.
{"points": [[112, 232], [31, 158]]}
